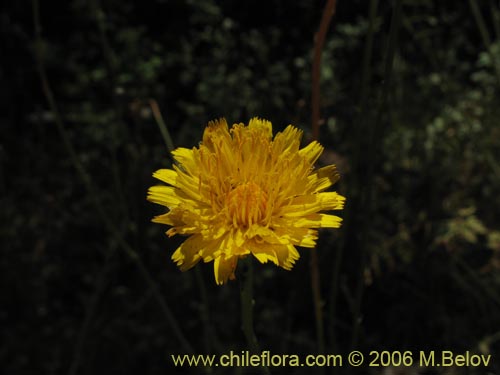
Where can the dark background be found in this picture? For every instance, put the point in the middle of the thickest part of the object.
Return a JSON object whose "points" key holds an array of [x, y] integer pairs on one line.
{"points": [[410, 109]]}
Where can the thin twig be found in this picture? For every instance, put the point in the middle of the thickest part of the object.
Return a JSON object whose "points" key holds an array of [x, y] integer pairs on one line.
{"points": [[348, 214], [495, 15], [490, 293], [373, 143], [89, 314], [161, 125], [367, 57], [109, 58], [319, 42], [88, 183]]}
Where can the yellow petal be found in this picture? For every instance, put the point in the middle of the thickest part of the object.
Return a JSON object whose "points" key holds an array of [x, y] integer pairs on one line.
{"points": [[311, 152], [263, 125], [287, 143], [164, 219], [187, 159], [216, 133], [319, 221], [311, 203], [287, 258], [264, 252], [323, 178], [166, 175], [224, 269], [301, 205], [164, 195], [188, 253], [186, 182], [331, 200], [281, 255], [299, 236]]}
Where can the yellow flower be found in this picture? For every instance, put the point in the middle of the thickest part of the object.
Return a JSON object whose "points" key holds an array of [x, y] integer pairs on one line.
{"points": [[242, 192]]}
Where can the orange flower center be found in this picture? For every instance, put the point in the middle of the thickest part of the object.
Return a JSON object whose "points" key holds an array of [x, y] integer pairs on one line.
{"points": [[246, 204]]}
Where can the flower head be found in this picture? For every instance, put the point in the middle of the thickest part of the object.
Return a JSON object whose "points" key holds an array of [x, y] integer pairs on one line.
{"points": [[242, 192]]}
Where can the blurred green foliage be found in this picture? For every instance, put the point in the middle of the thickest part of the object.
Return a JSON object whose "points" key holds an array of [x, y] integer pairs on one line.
{"points": [[415, 136]]}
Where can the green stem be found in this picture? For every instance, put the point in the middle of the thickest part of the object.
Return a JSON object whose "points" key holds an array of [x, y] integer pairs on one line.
{"points": [[247, 302]]}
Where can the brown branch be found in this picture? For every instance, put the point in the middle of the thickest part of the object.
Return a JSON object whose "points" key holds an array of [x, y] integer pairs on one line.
{"points": [[319, 41]]}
